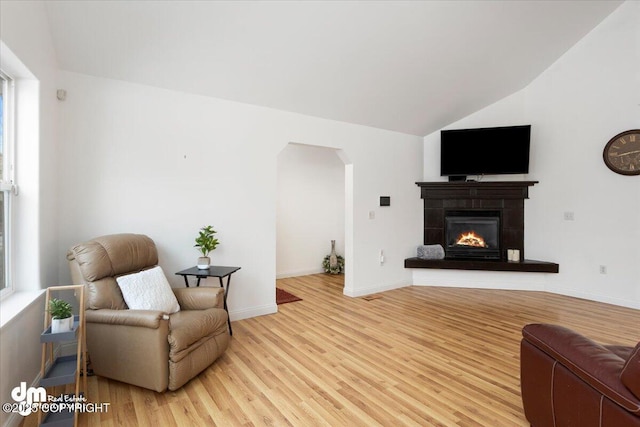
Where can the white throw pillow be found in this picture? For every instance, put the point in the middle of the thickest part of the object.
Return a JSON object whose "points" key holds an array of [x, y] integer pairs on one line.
{"points": [[148, 290]]}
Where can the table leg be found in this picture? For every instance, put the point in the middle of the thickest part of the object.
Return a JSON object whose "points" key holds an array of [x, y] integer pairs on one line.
{"points": [[186, 281], [226, 291]]}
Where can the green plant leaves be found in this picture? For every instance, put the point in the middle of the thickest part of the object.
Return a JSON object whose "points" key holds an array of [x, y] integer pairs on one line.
{"points": [[206, 241]]}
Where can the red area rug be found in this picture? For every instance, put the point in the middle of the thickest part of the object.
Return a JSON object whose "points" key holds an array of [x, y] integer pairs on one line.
{"points": [[283, 297]]}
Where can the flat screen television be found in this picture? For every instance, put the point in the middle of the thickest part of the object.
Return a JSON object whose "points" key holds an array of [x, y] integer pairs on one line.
{"points": [[485, 151]]}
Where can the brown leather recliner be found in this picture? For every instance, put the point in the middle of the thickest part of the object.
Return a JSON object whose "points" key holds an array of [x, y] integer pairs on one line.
{"points": [[146, 348], [569, 380]]}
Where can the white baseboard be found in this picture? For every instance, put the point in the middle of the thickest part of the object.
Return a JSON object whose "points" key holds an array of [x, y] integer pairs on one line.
{"points": [[480, 279], [508, 281], [595, 297], [253, 312], [297, 273], [375, 289]]}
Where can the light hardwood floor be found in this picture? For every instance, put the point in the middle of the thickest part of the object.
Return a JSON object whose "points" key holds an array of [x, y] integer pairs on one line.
{"points": [[418, 356]]}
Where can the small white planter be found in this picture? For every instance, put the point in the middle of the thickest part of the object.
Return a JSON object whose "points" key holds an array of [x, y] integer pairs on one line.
{"points": [[204, 262], [61, 325]]}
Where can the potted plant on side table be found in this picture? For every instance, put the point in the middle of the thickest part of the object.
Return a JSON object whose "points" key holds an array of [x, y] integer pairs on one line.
{"points": [[61, 316], [206, 242]]}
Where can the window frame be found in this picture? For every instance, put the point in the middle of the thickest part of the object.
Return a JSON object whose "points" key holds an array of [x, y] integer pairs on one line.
{"points": [[7, 184]]}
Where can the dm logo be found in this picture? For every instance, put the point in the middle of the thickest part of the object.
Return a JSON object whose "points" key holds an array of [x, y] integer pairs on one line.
{"points": [[29, 396]]}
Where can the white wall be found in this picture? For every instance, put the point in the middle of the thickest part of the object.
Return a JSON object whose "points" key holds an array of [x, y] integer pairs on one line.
{"points": [[310, 208], [24, 33], [575, 107], [21, 354], [140, 159]]}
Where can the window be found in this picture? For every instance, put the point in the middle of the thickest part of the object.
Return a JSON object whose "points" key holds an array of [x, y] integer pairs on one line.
{"points": [[6, 178]]}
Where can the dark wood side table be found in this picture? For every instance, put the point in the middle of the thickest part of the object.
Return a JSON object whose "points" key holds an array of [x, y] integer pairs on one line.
{"points": [[213, 271]]}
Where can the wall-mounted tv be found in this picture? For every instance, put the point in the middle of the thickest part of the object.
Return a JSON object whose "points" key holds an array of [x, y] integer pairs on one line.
{"points": [[485, 151]]}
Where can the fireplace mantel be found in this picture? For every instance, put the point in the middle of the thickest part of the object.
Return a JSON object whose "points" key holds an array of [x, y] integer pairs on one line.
{"points": [[506, 196], [518, 190]]}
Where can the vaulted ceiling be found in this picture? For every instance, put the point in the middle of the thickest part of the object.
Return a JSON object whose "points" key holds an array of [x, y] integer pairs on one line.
{"points": [[406, 66]]}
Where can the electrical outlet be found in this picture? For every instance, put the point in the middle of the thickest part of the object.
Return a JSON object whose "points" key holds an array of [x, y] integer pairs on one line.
{"points": [[603, 269], [568, 216], [372, 214]]}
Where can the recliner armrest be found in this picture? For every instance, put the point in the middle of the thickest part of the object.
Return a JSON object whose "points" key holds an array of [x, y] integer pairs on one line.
{"points": [[144, 318], [199, 298], [593, 363]]}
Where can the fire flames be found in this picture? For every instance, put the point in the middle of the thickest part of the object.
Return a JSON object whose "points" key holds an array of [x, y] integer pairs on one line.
{"points": [[471, 239]]}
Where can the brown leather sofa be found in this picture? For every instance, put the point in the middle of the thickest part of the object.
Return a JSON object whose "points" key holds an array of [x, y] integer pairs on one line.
{"points": [[147, 348], [569, 380]]}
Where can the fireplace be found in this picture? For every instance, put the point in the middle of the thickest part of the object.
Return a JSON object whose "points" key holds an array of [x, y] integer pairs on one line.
{"points": [[502, 207], [472, 234], [502, 200]]}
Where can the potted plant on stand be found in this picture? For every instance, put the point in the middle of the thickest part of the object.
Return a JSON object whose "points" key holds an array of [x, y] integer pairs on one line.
{"points": [[61, 316], [206, 242]]}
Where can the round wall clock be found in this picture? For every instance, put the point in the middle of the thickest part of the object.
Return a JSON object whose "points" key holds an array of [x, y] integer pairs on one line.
{"points": [[622, 153]]}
